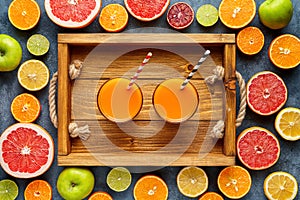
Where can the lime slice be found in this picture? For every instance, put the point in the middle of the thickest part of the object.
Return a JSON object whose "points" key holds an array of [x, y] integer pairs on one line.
{"points": [[8, 190], [118, 179], [207, 15], [38, 45]]}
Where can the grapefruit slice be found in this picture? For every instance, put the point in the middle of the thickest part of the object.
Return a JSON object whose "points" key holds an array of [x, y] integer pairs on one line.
{"points": [[146, 10], [266, 93], [72, 13], [26, 150], [258, 148], [180, 15]]}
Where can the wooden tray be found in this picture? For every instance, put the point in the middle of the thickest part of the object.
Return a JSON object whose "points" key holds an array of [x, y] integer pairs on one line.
{"points": [[114, 55]]}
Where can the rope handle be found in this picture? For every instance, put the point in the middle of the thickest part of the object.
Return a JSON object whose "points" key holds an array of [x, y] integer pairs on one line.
{"points": [[74, 131], [218, 74]]}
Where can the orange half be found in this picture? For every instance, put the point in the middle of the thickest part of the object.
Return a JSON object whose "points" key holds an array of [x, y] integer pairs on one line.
{"points": [[113, 18], [234, 182], [24, 14], [250, 40], [284, 51], [237, 14], [25, 108], [38, 189]]}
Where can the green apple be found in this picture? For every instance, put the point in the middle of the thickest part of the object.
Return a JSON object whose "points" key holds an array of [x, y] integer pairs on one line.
{"points": [[10, 53], [75, 183], [276, 14]]}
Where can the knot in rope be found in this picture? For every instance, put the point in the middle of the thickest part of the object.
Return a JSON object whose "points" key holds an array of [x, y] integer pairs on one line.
{"points": [[81, 132], [218, 74], [218, 130], [75, 69]]}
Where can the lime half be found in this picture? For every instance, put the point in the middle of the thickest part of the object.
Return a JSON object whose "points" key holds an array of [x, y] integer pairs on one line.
{"points": [[8, 190], [207, 15], [38, 45], [118, 179]]}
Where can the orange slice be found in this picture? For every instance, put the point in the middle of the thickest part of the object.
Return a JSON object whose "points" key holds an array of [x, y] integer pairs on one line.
{"points": [[100, 196], [284, 51], [211, 196], [38, 189], [234, 182], [237, 14], [250, 40], [24, 14], [150, 187], [113, 18], [25, 108]]}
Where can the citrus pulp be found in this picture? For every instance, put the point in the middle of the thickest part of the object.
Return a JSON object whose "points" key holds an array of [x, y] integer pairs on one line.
{"points": [[24, 14], [287, 123], [146, 10], [8, 189], [118, 179], [266, 93], [234, 182], [280, 186], [192, 181], [207, 15], [72, 13], [258, 148], [19, 146], [38, 45]]}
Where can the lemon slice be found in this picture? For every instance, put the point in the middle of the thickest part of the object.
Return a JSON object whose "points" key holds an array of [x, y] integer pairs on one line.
{"points": [[192, 181], [207, 15], [8, 190], [280, 185], [287, 123], [118, 179], [38, 45], [33, 75]]}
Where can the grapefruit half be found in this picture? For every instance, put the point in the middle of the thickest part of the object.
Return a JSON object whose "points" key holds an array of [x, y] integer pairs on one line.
{"points": [[72, 13], [266, 93], [258, 148], [26, 150], [146, 10]]}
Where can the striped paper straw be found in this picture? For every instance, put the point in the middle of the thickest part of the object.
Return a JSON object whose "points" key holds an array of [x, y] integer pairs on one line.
{"points": [[202, 59], [134, 78]]}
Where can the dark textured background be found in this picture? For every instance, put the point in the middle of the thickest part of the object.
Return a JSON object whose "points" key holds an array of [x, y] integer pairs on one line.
{"points": [[247, 65]]}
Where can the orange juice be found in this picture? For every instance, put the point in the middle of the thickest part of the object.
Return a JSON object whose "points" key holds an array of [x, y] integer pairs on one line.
{"points": [[117, 103], [173, 104]]}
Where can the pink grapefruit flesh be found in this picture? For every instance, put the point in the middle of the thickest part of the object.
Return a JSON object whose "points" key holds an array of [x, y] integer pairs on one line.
{"points": [[72, 13], [26, 150], [258, 148], [146, 10], [180, 15], [266, 93]]}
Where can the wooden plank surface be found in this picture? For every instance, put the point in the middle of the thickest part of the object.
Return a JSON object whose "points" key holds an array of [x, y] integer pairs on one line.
{"points": [[119, 57], [63, 99], [138, 38]]}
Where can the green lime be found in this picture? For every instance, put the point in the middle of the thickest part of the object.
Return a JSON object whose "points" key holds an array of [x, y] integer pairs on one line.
{"points": [[207, 15], [118, 179], [38, 45], [8, 190]]}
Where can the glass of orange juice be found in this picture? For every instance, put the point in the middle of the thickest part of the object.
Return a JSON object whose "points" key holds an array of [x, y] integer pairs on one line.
{"points": [[118, 103], [173, 104]]}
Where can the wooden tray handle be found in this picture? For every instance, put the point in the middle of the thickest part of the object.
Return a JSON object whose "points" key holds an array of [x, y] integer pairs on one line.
{"points": [[75, 131], [218, 74]]}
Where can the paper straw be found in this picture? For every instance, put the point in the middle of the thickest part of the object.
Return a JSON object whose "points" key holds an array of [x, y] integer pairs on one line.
{"points": [[196, 67], [134, 78]]}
